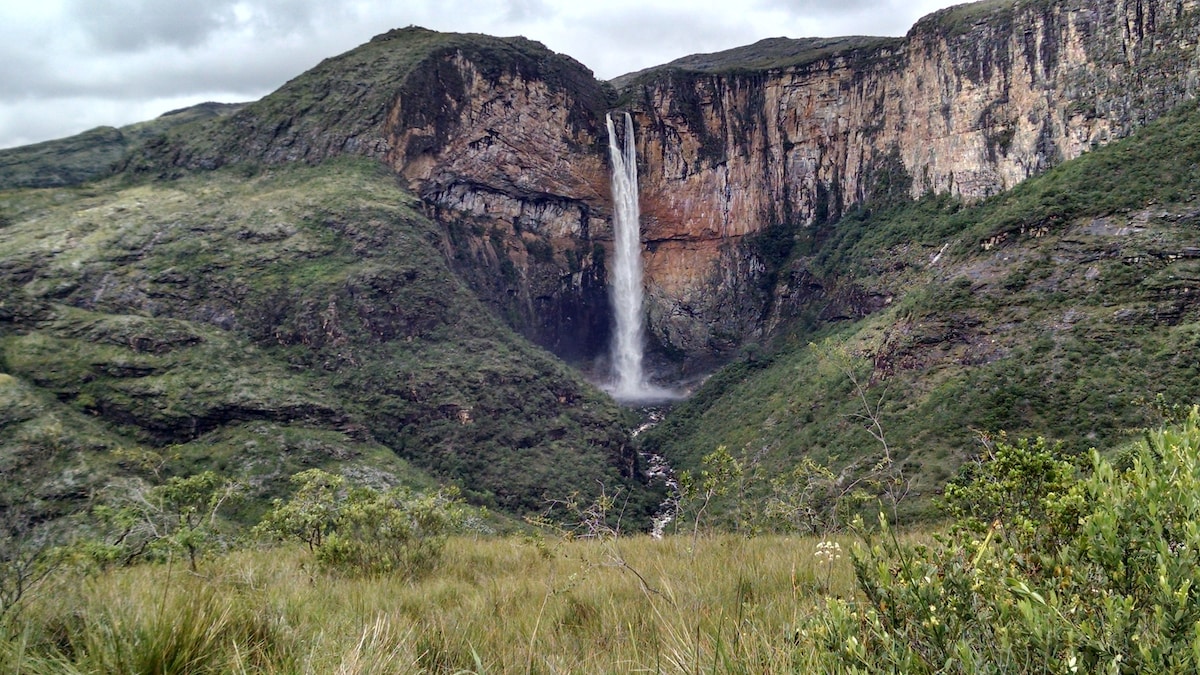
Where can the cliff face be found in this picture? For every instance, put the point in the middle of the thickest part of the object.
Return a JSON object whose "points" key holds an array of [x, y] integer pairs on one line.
{"points": [[511, 160], [501, 138], [504, 142], [975, 99]]}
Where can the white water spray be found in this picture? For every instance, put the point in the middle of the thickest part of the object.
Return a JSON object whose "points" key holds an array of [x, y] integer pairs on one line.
{"points": [[628, 343]]}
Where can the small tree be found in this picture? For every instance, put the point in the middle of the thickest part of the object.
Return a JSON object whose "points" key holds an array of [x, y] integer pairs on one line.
{"points": [[720, 474], [182, 515], [312, 512], [804, 500], [886, 477], [28, 555]]}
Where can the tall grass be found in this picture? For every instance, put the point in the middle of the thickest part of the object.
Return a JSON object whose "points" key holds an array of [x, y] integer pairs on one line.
{"points": [[499, 605]]}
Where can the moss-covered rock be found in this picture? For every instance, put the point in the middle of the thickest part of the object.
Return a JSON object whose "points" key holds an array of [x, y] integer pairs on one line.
{"points": [[302, 317]]}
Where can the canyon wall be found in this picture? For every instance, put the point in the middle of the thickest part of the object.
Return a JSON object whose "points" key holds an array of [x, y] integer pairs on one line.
{"points": [[501, 139], [972, 101], [503, 142]]}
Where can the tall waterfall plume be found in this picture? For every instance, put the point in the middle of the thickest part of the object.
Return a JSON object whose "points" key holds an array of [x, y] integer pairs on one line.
{"points": [[630, 384]]}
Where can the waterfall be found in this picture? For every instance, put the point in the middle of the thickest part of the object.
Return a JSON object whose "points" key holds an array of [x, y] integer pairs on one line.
{"points": [[627, 265], [630, 383]]}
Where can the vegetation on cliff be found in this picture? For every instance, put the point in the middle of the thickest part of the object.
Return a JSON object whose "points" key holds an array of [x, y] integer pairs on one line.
{"points": [[764, 55], [93, 154], [261, 324], [1055, 309]]}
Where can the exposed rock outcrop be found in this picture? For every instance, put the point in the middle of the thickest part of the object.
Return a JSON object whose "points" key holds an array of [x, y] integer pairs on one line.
{"points": [[504, 143], [972, 101]]}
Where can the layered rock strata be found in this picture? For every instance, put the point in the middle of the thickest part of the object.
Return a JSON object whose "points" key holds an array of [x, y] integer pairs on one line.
{"points": [[972, 101], [503, 141]]}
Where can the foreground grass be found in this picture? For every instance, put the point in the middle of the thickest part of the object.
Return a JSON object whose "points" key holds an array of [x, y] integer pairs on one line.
{"points": [[497, 605]]}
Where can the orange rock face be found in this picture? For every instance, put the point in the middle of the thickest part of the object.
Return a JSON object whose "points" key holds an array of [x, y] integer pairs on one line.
{"points": [[513, 153], [967, 108], [505, 144]]}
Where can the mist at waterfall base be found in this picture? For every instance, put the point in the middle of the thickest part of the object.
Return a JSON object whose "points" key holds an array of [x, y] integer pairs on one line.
{"points": [[629, 384]]}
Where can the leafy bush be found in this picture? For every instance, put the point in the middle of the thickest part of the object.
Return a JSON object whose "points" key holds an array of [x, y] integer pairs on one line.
{"points": [[1109, 586], [312, 512], [363, 530], [1018, 489]]}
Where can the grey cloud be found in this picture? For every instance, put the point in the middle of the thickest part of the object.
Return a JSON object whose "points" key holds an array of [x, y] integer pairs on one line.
{"points": [[130, 25], [526, 10], [22, 76], [293, 17], [822, 8], [674, 31], [151, 75], [853, 17]]}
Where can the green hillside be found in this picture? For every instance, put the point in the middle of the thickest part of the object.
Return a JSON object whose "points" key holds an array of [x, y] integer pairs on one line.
{"points": [[1059, 309], [342, 105], [95, 153], [263, 324]]}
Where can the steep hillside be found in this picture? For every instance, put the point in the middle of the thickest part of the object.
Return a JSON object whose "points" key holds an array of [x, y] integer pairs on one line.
{"points": [[1061, 308], [262, 324], [95, 153], [501, 139], [788, 133]]}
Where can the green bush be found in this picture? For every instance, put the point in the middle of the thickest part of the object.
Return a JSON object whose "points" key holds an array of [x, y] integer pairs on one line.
{"points": [[1019, 491], [1095, 574], [363, 530]]}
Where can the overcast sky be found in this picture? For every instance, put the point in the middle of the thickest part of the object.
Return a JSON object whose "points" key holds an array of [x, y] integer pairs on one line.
{"points": [[70, 65]]}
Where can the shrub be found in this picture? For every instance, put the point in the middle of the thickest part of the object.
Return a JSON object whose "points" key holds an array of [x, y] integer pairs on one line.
{"points": [[1113, 592], [28, 556], [393, 531], [362, 530], [1017, 489], [312, 512]]}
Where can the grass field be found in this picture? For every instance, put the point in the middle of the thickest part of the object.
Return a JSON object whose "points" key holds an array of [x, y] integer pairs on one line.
{"points": [[722, 604]]}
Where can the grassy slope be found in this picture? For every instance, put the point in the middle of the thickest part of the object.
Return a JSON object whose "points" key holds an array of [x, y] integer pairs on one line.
{"points": [[264, 324], [93, 153], [1054, 309]]}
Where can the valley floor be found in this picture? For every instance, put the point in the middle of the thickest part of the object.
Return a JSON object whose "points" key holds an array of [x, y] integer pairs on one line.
{"points": [[1047, 565], [495, 605]]}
